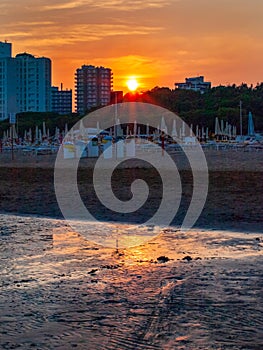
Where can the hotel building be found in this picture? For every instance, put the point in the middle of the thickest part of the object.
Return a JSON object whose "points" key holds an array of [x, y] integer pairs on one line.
{"points": [[61, 100], [195, 83], [93, 86], [25, 82]]}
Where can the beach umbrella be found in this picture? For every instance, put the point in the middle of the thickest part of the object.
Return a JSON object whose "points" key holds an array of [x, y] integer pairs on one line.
{"points": [[147, 129], [174, 131], [183, 129], [82, 130], [197, 131], [57, 134], [251, 130], [98, 127], [14, 133], [40, 135], [44, 130], [163, 125], [36, 133], [191, 130], [217, 127], [203, 133], [206, 133], [135, 128], [66, 128], [30, 135]]}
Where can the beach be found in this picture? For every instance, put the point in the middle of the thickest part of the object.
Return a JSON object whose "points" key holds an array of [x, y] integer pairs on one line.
{"points": [[200, 289]]}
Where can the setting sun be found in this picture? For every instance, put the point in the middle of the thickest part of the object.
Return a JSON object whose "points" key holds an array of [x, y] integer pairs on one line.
{"points": [[132, 84]]}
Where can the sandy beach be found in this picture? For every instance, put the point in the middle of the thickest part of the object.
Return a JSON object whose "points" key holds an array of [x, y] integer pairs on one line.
{"points": [[200, 289]]}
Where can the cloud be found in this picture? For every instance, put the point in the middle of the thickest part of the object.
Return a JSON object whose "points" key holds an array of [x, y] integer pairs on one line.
{"points": [[118, 5], [77, 33]]}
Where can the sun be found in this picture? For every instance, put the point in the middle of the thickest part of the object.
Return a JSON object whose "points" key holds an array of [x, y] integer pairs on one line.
{"points": [[132, 84]]}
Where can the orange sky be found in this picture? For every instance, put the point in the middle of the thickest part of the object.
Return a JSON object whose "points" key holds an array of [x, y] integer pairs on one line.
{"points": [[159, 41]]}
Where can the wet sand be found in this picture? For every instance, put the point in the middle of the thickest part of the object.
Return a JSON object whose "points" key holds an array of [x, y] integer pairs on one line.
{"points": [[59, 291]]}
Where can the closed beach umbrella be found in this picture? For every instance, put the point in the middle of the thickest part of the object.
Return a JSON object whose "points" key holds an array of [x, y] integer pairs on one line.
{"points": [[36, 134], [30, 135], [135, 128], [66, 128], [44, 130], [251, 131]]}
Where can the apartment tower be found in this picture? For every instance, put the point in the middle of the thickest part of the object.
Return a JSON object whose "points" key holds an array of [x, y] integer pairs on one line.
{"points": [[93, 87]]}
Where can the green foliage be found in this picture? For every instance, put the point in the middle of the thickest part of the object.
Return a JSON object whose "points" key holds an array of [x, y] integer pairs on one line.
{"points": [[202, 109], [193, 107]]}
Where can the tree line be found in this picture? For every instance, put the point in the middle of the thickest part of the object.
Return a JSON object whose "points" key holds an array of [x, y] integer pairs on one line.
{"points": [[192, 106], [202, 109]]}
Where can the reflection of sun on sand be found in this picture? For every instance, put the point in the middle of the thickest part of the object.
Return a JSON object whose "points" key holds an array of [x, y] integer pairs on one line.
{"points": [[61, 291], [170, 242]]}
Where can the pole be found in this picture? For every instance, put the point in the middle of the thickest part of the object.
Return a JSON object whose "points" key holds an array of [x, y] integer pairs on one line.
{"points": [[241, 122], [12, 141], [115, 125]]}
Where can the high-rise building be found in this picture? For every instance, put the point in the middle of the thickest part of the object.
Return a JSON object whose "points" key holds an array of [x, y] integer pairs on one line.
{"points": [[5, 49], [93, 87], [195, 83], [7, 81], [61, 100], [25, 82], [34, 83]]}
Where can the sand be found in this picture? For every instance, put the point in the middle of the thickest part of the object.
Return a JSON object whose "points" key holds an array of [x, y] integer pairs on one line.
{"points": [[200, 289]]}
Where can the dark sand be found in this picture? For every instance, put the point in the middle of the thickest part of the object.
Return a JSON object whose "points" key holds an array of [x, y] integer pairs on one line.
{"points": [[234, 199]]}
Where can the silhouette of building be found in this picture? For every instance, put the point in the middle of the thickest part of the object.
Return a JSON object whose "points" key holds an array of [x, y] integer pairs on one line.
{"points": [[195, 83], [93, 87], [61, 100], [116, 97], [25, 82]]}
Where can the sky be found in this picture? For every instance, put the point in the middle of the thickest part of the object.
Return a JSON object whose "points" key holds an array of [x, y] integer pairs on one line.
{"points": [[159, 42]]}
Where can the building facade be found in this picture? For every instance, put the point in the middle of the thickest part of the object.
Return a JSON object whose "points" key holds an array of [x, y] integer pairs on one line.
{"points": [[195, 84], [25, 82], [7, 81], [61, 100], [34, 83], [93, 87]]}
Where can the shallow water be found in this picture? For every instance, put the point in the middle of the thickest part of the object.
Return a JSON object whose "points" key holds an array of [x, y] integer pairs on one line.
{"points": [[59, 291]]}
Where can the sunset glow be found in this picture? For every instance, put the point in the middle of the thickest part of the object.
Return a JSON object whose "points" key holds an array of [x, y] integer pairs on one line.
{"points": [[161, 41]]}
